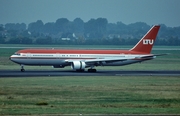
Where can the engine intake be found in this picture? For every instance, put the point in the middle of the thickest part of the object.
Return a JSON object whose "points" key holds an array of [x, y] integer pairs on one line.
{"points": [[78, 65]]}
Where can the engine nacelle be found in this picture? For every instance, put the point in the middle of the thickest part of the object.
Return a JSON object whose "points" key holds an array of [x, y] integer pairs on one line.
{"points": [[78, 65]]}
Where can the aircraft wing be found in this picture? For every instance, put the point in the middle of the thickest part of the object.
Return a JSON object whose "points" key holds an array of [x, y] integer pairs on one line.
{"points": [[99, 61], [147, 57], [110, 60], [105, 60]]}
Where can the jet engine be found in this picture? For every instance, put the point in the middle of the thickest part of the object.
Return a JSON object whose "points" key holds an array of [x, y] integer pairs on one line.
{"points": [[78, 65]]}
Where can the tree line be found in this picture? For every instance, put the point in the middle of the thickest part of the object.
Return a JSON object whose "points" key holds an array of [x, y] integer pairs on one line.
{"points": [[77, 32]]}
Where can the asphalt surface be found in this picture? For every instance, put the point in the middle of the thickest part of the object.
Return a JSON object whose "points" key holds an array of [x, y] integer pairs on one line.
{"points": [[36, 73]]}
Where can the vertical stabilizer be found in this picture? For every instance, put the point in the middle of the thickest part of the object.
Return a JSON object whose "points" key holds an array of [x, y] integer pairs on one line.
{"points": [[146, 43]]}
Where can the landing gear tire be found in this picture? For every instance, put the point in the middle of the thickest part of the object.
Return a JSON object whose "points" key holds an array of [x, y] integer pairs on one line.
{"points": [[91, 70], [22, 70]]}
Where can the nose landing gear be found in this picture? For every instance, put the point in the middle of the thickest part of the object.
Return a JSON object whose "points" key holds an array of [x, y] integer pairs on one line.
{"points": [[22, 68]]}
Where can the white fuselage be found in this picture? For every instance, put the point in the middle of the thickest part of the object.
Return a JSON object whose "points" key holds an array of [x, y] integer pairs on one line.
{"points": [[63, 59]]}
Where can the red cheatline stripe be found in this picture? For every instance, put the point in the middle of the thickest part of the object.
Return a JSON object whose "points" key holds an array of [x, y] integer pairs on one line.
{"points": [[47, 58], [51, 51]]}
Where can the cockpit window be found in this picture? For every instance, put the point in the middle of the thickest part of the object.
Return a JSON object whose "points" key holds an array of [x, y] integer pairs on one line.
{"points": [[17, 54]]}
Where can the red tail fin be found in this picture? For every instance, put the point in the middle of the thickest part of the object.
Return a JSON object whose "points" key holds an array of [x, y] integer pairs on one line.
{"points": [[146, 43]]}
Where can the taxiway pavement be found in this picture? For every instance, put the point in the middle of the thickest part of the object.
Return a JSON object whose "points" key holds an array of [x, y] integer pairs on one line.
{"points": [[36, 73]]}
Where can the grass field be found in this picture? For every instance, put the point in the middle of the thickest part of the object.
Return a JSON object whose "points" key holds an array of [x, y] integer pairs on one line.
{"points": [[90, 95]]}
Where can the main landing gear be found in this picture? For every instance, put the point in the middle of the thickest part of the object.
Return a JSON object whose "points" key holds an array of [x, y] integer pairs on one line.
{"points": [[91, 70], [22, 68]]}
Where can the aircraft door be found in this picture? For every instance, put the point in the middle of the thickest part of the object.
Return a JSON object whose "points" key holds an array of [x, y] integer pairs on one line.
{"points": [[57, 55], [28, 55]]}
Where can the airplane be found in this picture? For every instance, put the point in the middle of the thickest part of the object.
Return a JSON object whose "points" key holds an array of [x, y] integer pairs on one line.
{"points": [[81, 59]]}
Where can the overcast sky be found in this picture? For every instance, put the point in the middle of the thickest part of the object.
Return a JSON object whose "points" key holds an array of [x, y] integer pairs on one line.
{"points": [[127, 11]]}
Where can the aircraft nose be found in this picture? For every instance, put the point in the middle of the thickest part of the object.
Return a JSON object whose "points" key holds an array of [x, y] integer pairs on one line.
{"points": [[10, 58]]}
